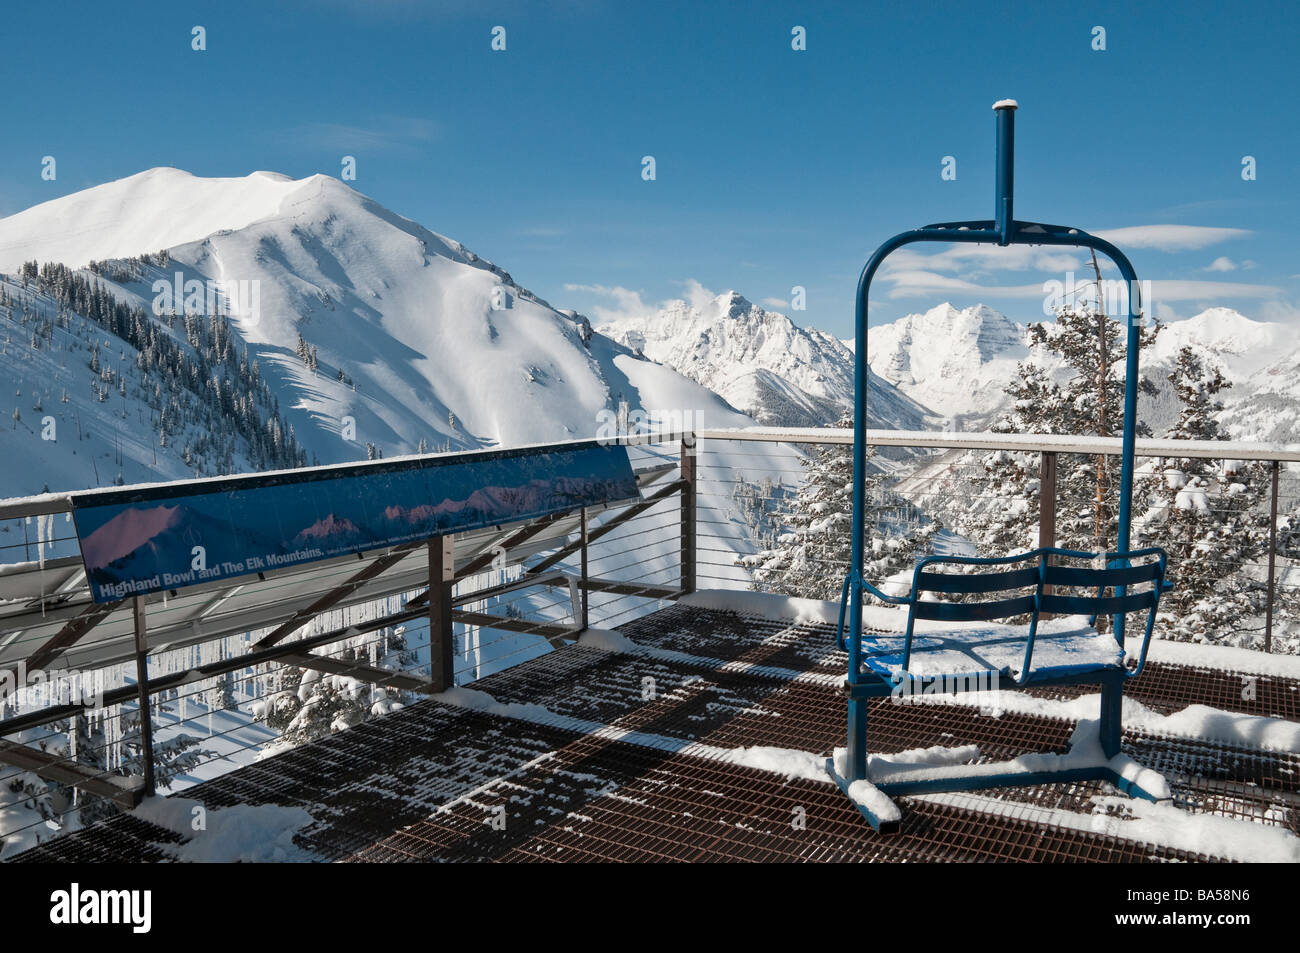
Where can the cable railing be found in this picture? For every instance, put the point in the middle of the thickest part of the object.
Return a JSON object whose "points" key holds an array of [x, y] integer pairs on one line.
{"points": [[717, 509], [958, 496]]}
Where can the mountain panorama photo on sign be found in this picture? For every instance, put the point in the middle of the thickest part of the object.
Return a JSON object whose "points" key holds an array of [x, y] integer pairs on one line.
{"points": [[769, 468]]}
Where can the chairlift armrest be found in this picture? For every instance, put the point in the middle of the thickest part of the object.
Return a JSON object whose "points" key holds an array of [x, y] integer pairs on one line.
{"points": [[840, 641], [892, 600]]}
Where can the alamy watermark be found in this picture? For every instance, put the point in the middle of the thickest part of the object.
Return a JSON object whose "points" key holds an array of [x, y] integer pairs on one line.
{"points": [[986, 685], [231, 297], [612, 423], [1111, 296], [23, 688]]}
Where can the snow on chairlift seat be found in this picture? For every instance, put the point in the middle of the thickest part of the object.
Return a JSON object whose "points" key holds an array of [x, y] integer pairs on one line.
{"points": [[982, 653]]}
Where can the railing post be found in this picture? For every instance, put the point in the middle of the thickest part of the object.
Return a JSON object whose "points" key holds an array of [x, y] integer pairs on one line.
{"points": [[442, 575], [142, 693], [689, 493], [586, 597], [1047, 499], [1046, 510], [1272, 560]]}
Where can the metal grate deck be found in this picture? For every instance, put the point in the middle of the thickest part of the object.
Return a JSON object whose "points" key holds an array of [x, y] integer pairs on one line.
{"points": [[631, 765]]}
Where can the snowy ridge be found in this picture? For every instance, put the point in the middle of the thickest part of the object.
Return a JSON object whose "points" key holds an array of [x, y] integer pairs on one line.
{"points": [[960, 361], [762, 362], [956, 360], [419, 344], [1224, 338], [147, 212], [1266, 406]]}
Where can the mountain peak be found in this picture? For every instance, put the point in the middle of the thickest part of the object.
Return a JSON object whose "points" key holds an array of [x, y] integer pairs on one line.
{"points": [[413, 339], [733, 304], [950, 358], [1226, 338], [759, 360], [155, 209]]}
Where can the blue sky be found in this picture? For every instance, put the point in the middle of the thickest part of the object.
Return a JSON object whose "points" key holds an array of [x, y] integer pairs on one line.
{"points": [[775, 167]]}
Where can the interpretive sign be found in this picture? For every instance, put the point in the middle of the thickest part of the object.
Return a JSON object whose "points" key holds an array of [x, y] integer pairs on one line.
{"points": [[174, 535]]}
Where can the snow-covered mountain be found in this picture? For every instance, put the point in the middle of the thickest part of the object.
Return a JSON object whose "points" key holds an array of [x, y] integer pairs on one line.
{"points": [[955, 360], [1227, 339], [960, 361], [1266, 406], [762, 362], [414, 341]]}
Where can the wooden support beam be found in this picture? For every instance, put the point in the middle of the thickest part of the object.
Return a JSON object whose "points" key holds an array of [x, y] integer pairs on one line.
{"points": [[1272, 561], [556, 578], [123, 791], [633, 511], [359, 670], [1047, 499], [689, 479], [584, 534], [162, 683], [442, 577], [557, 635], [597, 584], [142, 693], [482, 561], [1047, 506], [70, 634]]}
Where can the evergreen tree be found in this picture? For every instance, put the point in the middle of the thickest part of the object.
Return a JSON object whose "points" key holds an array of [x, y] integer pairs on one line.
{"points": [[1001, 513], [1206, 514], [319, 705], [811, 558]]}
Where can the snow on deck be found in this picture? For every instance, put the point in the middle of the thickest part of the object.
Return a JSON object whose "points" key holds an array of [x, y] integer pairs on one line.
{"points": [[700, 733]]}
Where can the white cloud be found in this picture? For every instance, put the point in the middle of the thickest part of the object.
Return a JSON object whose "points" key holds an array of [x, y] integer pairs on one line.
{"points": [[1165, 313], [1222, 263], [979, 259], [698, 295], [919, 283], [1177, 290], [1283, 312], [629, 303], [1170, 238]]}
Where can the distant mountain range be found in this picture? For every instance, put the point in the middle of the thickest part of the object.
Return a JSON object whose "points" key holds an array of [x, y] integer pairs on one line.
{"points": [[961, 360], [376, 335], [947, 367], [763, 363]]}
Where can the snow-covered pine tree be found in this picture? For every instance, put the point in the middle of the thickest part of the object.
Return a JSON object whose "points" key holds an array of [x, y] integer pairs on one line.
{"points": [[811, 558], [1002, 514], [1207, 515], [172, 757], [321, 705]]}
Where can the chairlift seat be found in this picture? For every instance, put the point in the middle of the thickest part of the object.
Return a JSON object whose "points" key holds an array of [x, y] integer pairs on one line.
{"points": [[964, 643], [994, 654]]}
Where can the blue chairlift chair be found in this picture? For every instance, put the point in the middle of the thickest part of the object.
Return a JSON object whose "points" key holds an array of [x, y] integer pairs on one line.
{"points": [[961, 645]]}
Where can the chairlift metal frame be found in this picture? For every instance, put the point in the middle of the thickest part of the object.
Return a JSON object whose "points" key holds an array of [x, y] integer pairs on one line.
{"points": [[863, 683]]}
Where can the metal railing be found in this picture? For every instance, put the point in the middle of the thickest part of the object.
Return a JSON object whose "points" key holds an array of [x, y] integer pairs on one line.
{"points": [[942, 483], [718, 501]]}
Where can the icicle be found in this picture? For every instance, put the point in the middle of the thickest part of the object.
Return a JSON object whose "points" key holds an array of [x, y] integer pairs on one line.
{"points": [[44, 536]]}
